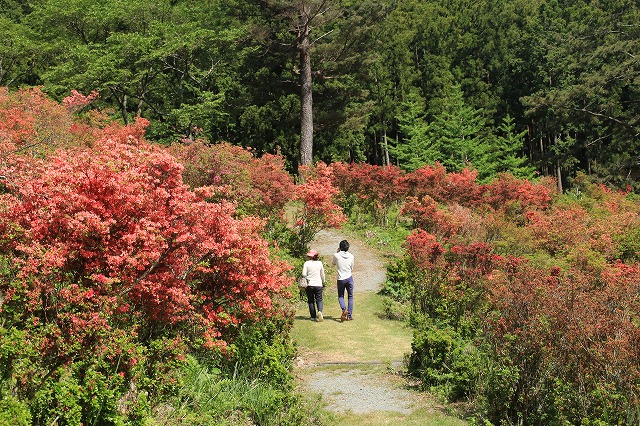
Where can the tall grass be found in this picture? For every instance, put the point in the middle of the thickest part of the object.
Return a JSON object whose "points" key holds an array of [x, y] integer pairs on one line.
{"points": [[208, 397]]}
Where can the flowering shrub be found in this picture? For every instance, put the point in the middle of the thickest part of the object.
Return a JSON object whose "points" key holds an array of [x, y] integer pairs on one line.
{"points": [[376, 188], [111, 269], [257, 186], [31, 122], [316, 196], [552, 316], [435, 182], [76, 101], [573, 335], [506, 190]]}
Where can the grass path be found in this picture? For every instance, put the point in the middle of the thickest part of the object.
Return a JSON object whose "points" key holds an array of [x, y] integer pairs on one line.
{"points": [[356, 367]]}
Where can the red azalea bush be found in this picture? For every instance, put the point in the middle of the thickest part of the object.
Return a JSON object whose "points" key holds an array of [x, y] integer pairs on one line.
{"points": [[112, 269], [316, 196], [376, 189], [450, 284], [566, 341], [507, 190], [435, 182], [257, 186], [29, 122], [558, 343]]}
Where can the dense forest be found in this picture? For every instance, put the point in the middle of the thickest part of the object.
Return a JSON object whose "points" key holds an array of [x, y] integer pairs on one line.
{"points": [[533, 87]]}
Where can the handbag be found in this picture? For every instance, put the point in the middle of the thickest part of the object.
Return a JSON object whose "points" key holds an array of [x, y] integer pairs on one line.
{"points": [[302, 282]]}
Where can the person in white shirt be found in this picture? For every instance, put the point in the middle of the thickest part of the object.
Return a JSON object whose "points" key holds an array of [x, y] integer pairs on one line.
{"points": [[344, 265], [313, 271]]}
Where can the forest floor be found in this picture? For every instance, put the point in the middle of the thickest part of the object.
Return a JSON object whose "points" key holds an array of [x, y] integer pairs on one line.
{"points": [[356, 368]]}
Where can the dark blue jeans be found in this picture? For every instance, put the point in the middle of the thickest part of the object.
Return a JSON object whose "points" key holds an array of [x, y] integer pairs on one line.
{"points": [[314, 297], [342, 286]]}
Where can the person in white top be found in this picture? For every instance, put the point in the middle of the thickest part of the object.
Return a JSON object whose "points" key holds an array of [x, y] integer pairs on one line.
{"points": [[344, 265], [313, 271]]}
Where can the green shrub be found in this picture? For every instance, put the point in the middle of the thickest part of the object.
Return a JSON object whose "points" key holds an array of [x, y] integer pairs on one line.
{"points": [[14, 412], [445, 362], [83, 394], [496, 389], [264, 351], [395, 310], [210, 397], [628, 248], [399, 284]]}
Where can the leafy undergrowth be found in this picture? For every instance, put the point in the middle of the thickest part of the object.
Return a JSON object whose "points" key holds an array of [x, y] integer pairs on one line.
{"points": [[207, 398]]}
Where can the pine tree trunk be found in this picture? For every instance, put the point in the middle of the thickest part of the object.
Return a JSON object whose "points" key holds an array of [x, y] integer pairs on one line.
{"points": [[558, 169], [306, 101], [386, 147]]}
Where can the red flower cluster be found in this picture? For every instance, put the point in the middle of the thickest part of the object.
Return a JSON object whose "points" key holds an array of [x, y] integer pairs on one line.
{"points": [[104, 247]]}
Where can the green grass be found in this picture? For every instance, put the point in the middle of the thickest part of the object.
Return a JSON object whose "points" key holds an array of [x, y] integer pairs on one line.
{"points": [[420, 417], [208, 398], [367, 338], [388, 240]]}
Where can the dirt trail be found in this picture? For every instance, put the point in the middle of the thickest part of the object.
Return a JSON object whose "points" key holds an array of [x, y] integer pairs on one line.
{"points": [[369, 271], [355, 385]]}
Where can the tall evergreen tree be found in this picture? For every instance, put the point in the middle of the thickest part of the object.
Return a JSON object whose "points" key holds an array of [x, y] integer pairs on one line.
{"points": [[455, 137], [506, 151]]}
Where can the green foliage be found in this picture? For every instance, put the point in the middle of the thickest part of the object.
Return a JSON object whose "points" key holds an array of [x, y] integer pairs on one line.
{"points": [[458, 137], [383, 76], [263, 351], [85, 394], [496, 387], [19, 52], [506, 152], [628, 248], [13, 412], [399, 284], [210, 397], [395, 310], [445, 362]]}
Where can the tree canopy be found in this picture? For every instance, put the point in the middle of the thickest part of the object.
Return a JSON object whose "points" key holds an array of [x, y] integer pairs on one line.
{"points": [[564, 74]]}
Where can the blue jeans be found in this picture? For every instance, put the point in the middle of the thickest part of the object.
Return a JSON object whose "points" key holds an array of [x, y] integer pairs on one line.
{"points": [[314, 297], [342, 286]]}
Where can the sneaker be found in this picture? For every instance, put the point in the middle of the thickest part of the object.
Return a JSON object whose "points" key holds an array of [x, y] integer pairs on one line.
{"points": [[349, 318], [344, 316], [320, 317]]}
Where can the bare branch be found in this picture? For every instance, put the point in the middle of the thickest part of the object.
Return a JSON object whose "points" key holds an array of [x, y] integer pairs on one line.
{"points": [[597, 114], [322, 36], [195, 264], [157, 263], [598, 139]]}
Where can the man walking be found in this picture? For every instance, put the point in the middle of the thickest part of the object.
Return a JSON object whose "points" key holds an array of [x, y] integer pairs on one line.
{"points": [[343, 260]]}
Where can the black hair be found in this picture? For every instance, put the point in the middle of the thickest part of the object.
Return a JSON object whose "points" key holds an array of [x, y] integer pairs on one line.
{"points": [[344, 245]]}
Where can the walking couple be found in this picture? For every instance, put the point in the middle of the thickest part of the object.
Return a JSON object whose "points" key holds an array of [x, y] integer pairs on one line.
{"points": [[313, 271]]}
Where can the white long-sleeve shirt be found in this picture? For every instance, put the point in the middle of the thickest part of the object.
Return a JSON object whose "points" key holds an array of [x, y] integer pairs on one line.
{"points": [[344, 264], [313, 270]]}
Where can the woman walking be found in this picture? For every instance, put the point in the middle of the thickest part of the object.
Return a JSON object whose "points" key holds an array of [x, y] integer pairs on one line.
{"points": [[313, 271]]}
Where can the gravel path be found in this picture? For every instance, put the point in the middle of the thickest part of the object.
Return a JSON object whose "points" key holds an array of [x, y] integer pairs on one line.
{"points": [[356, 387], [359, 392]]}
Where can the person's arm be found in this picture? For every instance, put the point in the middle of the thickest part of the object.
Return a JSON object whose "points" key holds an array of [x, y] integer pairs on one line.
{"points": [[305, 271], [322, 274]]}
